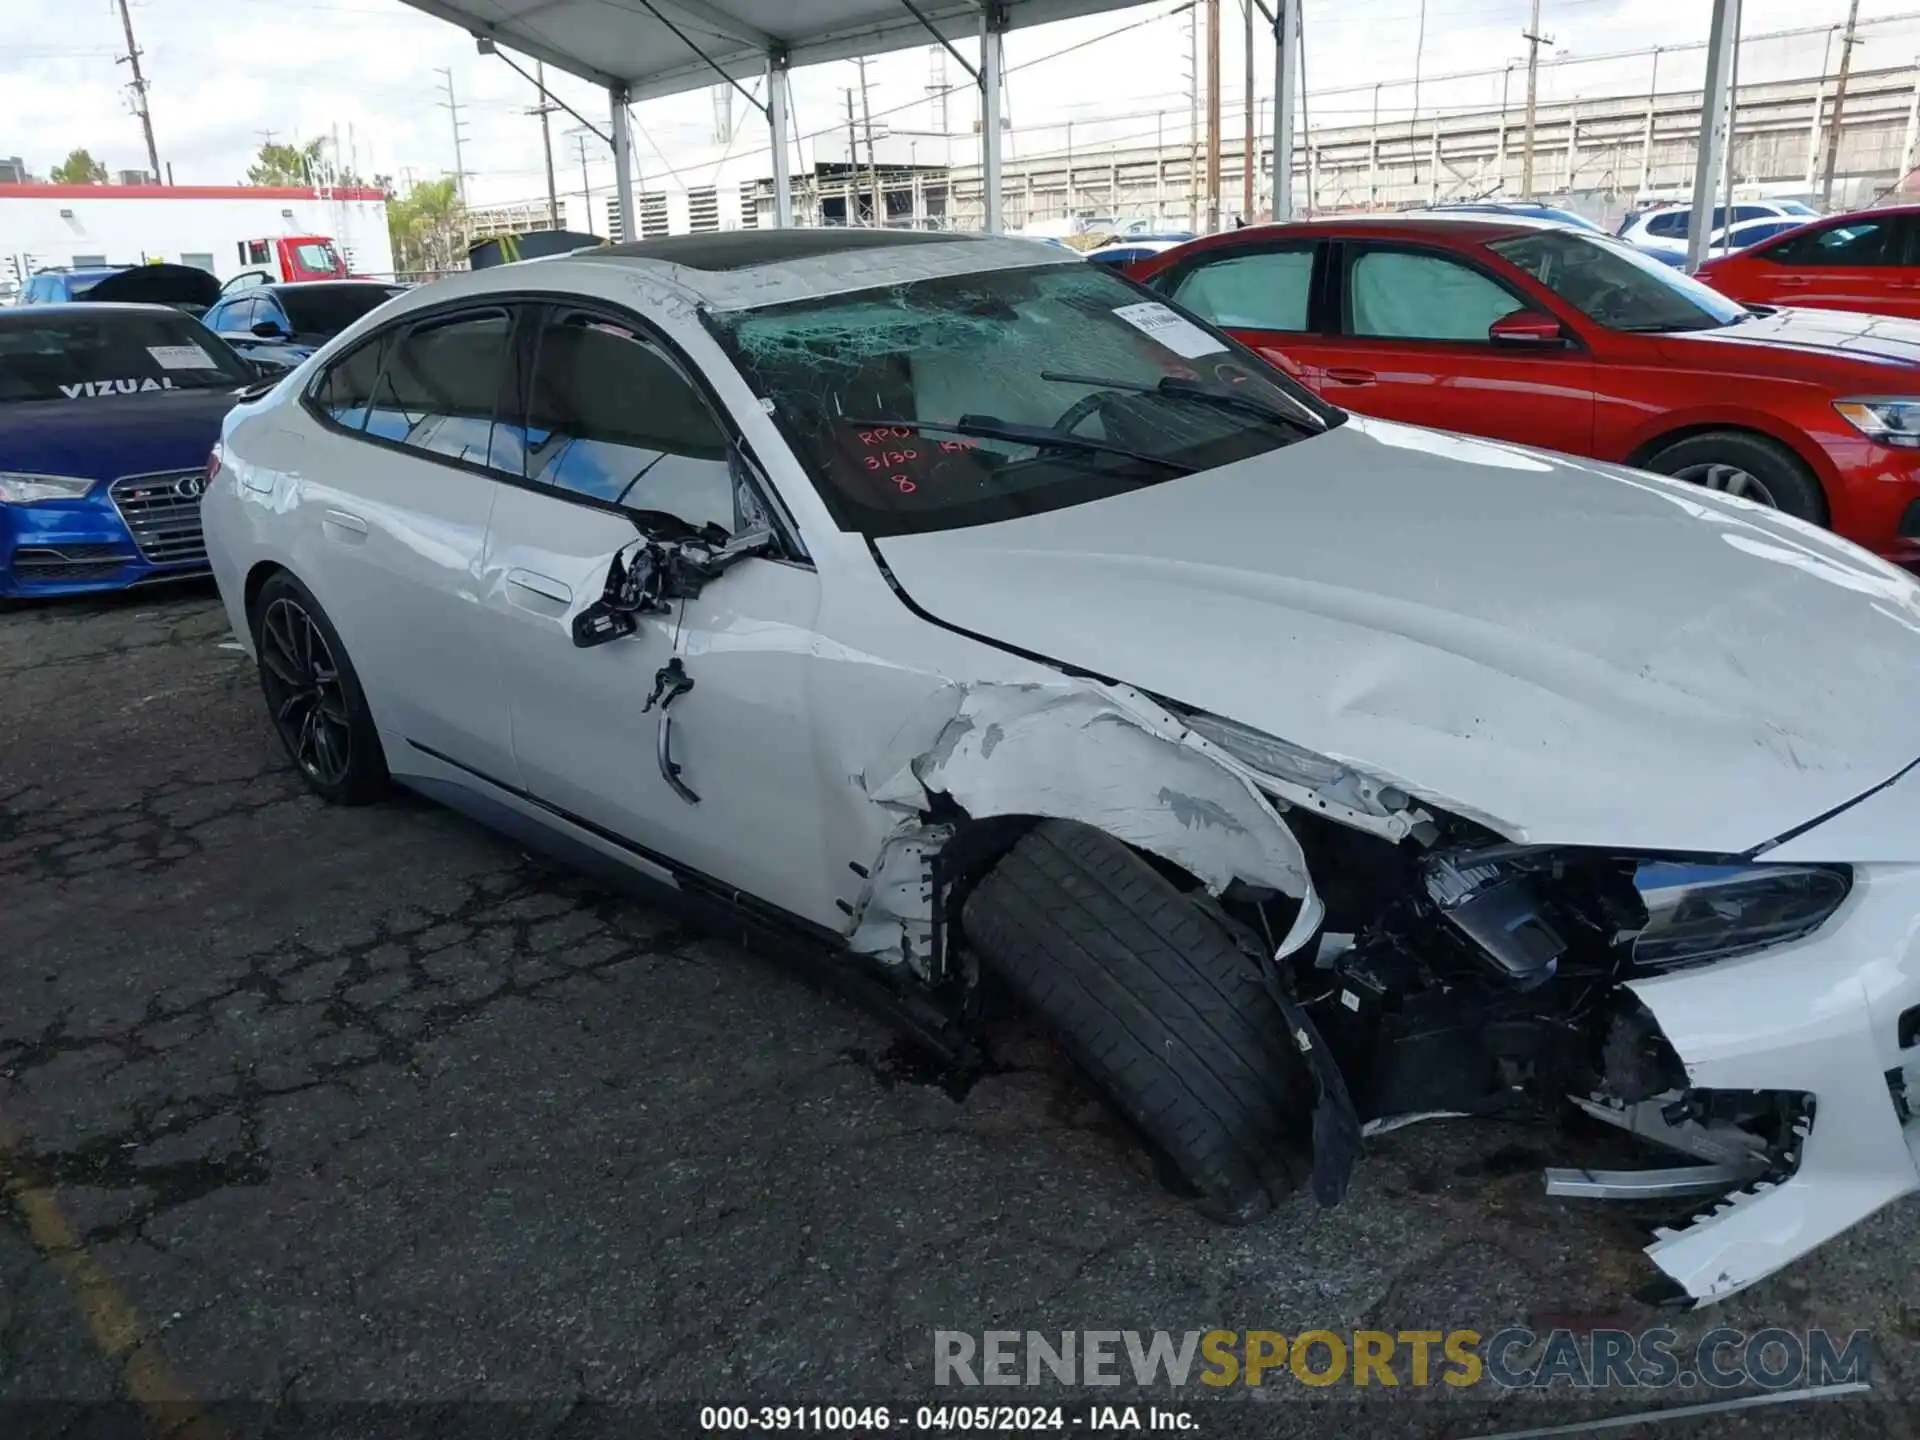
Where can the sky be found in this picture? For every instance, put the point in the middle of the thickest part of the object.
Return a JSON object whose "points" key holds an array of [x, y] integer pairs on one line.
{"points": [[223, 74]]}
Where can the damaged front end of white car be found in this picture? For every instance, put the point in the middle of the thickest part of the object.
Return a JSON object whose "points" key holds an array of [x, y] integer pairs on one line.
{"points": [[1428, 966]]}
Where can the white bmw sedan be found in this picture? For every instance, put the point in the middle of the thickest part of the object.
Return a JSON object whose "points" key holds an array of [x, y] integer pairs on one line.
{"points": [[1001, 635]]}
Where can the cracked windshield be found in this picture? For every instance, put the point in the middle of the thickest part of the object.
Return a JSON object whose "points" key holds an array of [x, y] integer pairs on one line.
{"points": [[963, 400]]}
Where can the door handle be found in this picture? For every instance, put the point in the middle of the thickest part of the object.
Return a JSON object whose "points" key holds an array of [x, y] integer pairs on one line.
{"points": [[1342, 376], [344, 525], [670, 682], [544, 586]]}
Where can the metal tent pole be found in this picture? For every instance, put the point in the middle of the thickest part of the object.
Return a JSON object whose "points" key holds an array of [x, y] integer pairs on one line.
{"points": [[777, 115], [1721, 39], [1286, 95], [623, 164], [992, 23]]}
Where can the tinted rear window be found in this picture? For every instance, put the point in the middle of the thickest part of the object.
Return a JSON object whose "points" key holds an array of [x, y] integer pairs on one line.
{"points": [[329, 309], [96, 350]]}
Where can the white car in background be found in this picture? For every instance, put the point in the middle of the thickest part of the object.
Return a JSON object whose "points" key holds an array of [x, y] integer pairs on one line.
{"points": [[1125, 252], [998, 633], [1663, 231]]}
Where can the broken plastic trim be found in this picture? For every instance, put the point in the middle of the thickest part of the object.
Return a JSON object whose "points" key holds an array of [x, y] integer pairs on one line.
{"points": [[1319, 773], [1103, 755]]}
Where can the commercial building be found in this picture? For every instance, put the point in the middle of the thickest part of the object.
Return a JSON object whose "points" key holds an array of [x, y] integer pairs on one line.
{"points": [[45, 226]]}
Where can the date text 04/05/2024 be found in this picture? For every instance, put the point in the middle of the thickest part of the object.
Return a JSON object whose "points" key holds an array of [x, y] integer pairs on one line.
{"points": [[941, 1419]]}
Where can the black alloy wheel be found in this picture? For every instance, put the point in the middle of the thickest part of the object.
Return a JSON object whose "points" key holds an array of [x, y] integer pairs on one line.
{"points": [[304, 693]]}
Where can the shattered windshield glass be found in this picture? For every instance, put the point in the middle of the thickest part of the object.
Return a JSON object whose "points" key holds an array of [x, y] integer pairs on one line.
{"points": [[1074, 384]]}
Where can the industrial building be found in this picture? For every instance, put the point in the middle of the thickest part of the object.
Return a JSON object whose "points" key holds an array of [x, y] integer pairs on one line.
{"points": [[45, 226]]}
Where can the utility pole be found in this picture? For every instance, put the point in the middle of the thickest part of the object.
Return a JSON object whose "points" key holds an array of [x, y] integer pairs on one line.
{"points": [[1534, 40], [873, 170], [853, 163], [1193, 117], [586, 191], [132, 58], [937, 88], [1246, 143], [1213, 115], [545, 108], [452, 107], [1839, 104], [1306, 117]]}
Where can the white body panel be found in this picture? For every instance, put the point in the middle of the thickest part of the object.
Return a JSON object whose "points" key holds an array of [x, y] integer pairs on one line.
{"points": [[1451, 614], [743, 736], [1819, 1016], [1566, 651]]}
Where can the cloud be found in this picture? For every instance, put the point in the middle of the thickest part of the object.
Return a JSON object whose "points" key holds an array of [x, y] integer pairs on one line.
{"points": [[224, 71]]}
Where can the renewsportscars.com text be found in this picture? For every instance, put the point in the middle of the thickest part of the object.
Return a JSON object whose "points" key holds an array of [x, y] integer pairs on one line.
{"points": [[1514, 1358]]}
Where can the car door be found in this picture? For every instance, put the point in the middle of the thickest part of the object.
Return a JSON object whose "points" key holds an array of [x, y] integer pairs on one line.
{"points": [[1260, 293], [616, 437], [1414, 344], [1858, 262], [397, 485]]}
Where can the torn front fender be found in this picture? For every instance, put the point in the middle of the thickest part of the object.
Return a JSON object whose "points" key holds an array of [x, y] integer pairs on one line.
{"points": [[1100, 755], [1076, 750]]}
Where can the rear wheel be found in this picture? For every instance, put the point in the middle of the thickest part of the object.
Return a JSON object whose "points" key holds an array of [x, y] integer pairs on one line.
{"points": [[1156, 1002], [314, 697], [1753, 467]]}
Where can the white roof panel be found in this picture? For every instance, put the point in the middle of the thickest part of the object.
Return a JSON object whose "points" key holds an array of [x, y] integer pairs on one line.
{"points": [[650, 45]]}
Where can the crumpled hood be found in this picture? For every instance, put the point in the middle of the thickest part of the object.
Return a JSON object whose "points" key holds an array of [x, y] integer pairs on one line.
{"points": [[1572, 652]]}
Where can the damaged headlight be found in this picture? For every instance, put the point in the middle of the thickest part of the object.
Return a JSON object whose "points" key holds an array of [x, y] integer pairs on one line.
{"points": [[1303, 767], [1711, 912]]}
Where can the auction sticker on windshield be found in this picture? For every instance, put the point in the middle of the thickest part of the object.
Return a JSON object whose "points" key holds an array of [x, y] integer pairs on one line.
{"points": [[1172, 330], [181, 357]]}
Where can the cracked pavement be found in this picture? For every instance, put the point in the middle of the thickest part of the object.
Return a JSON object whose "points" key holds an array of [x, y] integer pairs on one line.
{"points": [[367, 1105]]}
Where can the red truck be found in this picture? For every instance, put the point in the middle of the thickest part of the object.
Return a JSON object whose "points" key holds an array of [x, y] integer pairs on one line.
{"points": [[290, 257]]}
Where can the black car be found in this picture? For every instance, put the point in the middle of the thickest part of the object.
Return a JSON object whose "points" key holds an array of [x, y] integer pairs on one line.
{"points": [[279, 325]]}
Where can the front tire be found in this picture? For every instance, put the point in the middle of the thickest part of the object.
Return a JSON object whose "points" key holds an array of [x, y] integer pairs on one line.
{"points": [[314, 697], [1737, 462], [1156, 1003]]}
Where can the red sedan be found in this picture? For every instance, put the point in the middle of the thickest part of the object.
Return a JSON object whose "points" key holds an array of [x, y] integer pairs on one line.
{"points": [[1869, 260], [1572, 341]]}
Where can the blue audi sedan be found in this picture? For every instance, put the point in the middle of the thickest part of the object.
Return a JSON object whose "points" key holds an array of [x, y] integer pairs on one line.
{"points": [[108, 414]]}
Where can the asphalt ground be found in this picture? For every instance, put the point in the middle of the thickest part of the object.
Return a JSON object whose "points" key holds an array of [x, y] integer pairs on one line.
{"points": [[363, 1121]]}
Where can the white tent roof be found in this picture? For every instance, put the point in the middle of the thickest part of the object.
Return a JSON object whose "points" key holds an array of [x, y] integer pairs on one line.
{"points": [[634, 42]]}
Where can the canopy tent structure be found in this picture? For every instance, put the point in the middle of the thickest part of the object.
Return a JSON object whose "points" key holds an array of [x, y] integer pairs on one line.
{"points": [[644, 49]]}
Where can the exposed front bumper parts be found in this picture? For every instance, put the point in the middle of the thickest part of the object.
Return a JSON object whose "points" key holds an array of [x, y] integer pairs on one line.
{"points": [[1820, 1017]]}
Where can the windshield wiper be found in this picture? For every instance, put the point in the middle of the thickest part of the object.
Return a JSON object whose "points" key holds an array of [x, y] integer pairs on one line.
{"points": [[1679, 327], [1044, 437], [1179, 387]]}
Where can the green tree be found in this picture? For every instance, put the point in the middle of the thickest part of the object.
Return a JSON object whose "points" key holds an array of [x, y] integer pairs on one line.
{"points": [[307, 164], [288, 164], [427, 227], [79, 168]]}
